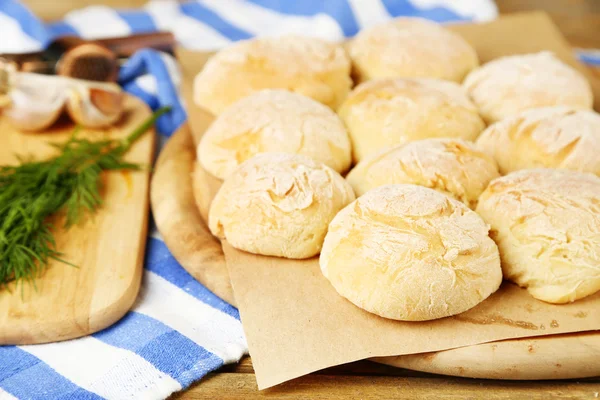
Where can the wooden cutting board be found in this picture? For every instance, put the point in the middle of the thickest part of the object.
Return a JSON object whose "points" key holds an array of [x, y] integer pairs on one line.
{"points": [[108, 248]]}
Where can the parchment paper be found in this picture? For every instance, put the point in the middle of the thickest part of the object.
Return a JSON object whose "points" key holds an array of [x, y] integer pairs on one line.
{"points": [[296, 323]]}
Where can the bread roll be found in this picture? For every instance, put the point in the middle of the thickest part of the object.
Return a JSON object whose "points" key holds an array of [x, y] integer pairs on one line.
{"points": [[278, 204], [304, 65], [411, 48], [549, 137], [451, 166], [389, 112], [509, 85], [274, 121], [410, 253], [546, 223]]}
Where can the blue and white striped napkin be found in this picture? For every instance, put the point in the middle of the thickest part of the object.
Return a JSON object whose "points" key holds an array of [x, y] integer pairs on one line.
{"points": [[177, 331]]}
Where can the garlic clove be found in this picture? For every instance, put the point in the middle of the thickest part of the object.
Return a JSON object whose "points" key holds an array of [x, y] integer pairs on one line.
{"points": [[94, 105], [34, 102]]}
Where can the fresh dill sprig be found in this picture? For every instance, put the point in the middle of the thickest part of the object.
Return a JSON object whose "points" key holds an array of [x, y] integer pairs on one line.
{"points": [[33, 191]]}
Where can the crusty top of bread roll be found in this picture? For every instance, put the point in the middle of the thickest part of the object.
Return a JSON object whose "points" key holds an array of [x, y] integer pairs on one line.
{"points": [[548, 137], [278, 204], [410, 253], [274, 121], [308, 66], [411, 48], [509, 85], [389, 112], [546, 223], [452, 166]]}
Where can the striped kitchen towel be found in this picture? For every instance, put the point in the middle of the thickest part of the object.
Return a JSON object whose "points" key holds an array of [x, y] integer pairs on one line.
{"points": [[177, 331], [211, 24]]}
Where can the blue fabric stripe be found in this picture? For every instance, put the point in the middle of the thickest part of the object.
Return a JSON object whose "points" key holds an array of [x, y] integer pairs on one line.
{"points": [[168, 350], [209, 17], [26, 377], [28, 22], [589, 58], [161, 262], [398, 8], [146, 97], [339, 10], [61, 28], [138, 21], [150, 61]]}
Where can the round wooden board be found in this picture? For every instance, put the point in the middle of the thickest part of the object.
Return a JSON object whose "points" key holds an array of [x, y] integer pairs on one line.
{"points": [[178, 219], [176, 202]]}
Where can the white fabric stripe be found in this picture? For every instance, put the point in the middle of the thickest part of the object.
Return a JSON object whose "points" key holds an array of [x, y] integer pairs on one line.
{"points": [[148, 82], [6, 396], [369, 12], [478, 10], [164, 13], [195, 35], [260, 21], [217, 332], [96, 22], [99, 368], [172, 68], [13, 39]]}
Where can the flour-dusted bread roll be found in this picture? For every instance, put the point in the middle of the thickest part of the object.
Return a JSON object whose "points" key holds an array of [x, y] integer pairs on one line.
{"points": [[452, 166], [410, 253], [308, 66], [411, 48], [389, 112], [274, 121], [509, 85], [278, 204], [548, 137], [546, 223]]}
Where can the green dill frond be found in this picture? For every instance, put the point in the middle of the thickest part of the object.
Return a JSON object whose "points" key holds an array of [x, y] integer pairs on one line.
{"points": [[34, 190]]}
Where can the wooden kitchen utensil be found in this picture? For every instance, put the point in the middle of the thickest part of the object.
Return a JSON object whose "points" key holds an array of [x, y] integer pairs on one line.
{"points": [[108, 248]]}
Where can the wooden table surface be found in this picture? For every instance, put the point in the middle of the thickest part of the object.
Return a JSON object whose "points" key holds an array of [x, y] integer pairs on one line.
{"points": [[579, 21]]}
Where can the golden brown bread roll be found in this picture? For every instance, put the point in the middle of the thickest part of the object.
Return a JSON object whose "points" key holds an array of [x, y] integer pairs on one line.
{"points": [[509, 85], [452, 166], [389, 112], [274, 121], [548, 137], [278, 204], [546, 223], [411, 48], [410, 253], [308, 66]]}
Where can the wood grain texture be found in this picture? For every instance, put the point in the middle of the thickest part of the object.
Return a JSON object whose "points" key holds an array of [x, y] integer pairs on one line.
{"points": [[578, 20], [108, 248], [554, 357], [235, 386], [178, 220]]}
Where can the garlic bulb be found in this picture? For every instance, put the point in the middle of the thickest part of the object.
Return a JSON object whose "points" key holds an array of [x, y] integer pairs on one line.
{"points": [[33, 102], [95, 105]]}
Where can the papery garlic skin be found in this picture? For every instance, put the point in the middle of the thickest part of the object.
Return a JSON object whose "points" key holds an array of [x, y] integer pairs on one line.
{"points": [[95, 106], [34, 101]]}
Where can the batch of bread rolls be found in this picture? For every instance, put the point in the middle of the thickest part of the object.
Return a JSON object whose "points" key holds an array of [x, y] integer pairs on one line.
{"points": [[417, 208]]}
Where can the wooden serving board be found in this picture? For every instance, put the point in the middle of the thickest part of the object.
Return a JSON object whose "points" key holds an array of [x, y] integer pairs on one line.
{"points": [[185, 233], [108, 248], [550, 357]]}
